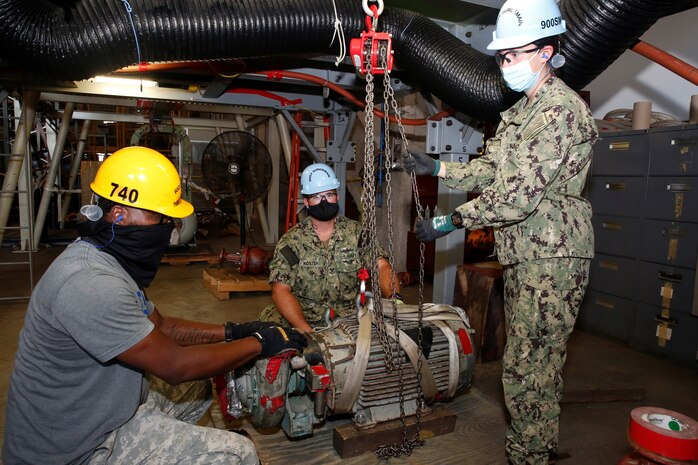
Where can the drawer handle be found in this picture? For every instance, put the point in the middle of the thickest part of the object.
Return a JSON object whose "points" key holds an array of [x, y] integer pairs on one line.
{"points": [[678, 187], [685, 141], [660, 319], [673, 232], [604, 303], [616, 186], [618, 146], [605, 264], [612, 226], [670, 277]]}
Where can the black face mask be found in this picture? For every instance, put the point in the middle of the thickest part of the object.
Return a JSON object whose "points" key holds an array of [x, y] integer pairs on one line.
{"points": [[138, 249], [324, 211]]}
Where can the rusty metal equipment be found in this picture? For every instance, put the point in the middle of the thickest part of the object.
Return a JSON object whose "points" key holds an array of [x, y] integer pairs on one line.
{"points": [[250, 260]]}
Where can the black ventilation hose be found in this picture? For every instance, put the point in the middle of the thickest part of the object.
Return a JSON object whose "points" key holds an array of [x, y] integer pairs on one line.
{"points": [[599, 31], [77, 39]]}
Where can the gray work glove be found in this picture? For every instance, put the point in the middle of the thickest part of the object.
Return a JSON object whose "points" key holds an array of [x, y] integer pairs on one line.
{"points": [[420, 164], [433, 228], [277, 340]]}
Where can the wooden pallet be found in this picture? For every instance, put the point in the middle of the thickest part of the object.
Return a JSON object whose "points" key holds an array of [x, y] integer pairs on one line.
{"points": [[198, 254], [222, 282], [186, 259]]}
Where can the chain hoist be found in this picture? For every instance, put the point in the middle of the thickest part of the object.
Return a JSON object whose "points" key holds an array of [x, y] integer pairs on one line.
{"points": [[372, 54]]}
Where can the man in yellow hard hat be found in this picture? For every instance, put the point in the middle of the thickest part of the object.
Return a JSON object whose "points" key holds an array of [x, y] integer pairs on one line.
{"points": [[100, 376], [531, 179]]}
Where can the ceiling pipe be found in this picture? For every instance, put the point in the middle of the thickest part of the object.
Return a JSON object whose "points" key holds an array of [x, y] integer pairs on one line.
{"points": [[670, 62]]}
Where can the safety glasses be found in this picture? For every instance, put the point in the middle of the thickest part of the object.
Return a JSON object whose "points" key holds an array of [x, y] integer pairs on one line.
{"points": [[501, 58]]}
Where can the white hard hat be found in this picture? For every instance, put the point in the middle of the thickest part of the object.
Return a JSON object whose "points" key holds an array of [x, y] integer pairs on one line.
{"points": [[521, 22], [318, 177]]}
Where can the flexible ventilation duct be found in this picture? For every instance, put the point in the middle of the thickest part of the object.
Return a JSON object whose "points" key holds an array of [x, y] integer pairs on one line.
{"points": [[77, 39]]}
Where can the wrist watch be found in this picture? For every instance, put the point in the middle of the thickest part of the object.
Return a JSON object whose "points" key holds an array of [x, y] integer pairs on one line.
{"points": [[457, 220], [229, 331]]}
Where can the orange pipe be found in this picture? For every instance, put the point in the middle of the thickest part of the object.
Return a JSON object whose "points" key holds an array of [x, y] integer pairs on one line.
{"points": [[667, 60], [277, 75]]}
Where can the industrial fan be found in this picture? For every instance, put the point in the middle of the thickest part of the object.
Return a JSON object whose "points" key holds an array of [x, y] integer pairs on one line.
{"points": [[237, 165]]}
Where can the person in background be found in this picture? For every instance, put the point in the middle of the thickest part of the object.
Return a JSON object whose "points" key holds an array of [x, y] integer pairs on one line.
{"points": [[315, 263], [531, 179], [100, 375]]}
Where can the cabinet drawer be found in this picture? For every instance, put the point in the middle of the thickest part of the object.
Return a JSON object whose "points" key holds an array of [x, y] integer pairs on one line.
{"points": [[682, 340], [619, 196], [663, 285], [617, 235], [671, 243], [672, 198], [607, 315], [613, 275], [674, 153], [621, 154]]}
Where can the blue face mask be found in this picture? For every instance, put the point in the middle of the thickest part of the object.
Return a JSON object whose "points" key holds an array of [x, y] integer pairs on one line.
{"points": [[520, 77]]}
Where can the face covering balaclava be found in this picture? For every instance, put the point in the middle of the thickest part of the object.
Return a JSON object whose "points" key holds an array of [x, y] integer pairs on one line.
{"points": [[138, 249], [324, 211], [520, 77]]}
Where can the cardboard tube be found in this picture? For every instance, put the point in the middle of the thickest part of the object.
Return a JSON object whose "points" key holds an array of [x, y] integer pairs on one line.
{"points": [[693, 110], [642, 114]]}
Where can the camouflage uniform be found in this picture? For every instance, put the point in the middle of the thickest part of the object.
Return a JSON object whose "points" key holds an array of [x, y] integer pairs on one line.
{"points": [[163, 432], [325, 275], [531, 178]]}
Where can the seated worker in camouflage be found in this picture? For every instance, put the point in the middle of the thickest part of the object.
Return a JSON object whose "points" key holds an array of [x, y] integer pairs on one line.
{"points": [[316, 262], [531, 179]]}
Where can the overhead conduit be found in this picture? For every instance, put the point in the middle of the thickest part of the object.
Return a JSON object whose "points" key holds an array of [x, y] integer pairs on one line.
{"points": [[78, 39]]}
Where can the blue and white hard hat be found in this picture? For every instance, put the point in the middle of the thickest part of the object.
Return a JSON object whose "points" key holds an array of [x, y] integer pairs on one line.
{"points": [[318, 177]]}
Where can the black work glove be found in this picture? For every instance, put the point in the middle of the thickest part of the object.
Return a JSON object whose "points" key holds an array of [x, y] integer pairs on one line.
{"points": [[276, 340], [420, 164], [234, 331], [433, 228]]}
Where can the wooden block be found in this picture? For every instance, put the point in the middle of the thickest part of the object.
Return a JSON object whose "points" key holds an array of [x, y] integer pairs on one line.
{"points": [[349, 441], [222, 282]]}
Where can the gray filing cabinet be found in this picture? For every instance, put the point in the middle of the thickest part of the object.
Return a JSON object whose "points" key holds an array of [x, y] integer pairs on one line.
{"points": [[643, 288]]}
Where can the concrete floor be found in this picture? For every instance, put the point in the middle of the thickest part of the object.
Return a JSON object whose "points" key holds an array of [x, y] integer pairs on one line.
{"points": [[591, 432]]}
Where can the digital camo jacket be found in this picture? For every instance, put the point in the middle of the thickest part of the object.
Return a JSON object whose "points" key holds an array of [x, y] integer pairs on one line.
{"points": [[531, 178], [325, 274]]}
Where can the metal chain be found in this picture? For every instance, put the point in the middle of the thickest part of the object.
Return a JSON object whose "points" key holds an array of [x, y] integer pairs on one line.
{"points": [[368, 232], [408, 445]]}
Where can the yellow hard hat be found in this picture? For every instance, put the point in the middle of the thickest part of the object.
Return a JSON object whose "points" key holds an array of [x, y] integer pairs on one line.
{"points": [[142, 178]]}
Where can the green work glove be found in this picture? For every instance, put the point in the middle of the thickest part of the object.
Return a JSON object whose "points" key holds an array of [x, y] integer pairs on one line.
{"points": [[433, 228], [420, 164], [277, 340]]}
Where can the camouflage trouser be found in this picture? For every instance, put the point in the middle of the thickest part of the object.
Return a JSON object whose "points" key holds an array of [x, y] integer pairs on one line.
{"points": [[163, 432], [541, 300]]}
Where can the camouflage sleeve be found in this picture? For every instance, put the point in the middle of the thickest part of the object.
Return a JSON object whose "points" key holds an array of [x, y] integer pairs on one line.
{"points": [[475, 174], [280, 270], [526, 168]]}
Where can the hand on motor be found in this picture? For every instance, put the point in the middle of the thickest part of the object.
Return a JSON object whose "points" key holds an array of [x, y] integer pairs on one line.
{"points": [[276, 340], [242, 330], [433, 228], [420, 164]]}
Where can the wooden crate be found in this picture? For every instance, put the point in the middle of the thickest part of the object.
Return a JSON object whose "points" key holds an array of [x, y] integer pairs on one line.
{"points": [[221, 282]]}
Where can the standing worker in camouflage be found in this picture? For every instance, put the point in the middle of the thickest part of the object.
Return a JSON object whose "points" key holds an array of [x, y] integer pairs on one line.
{"points": [[315, 264], [531, 178], [100, 376]]}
